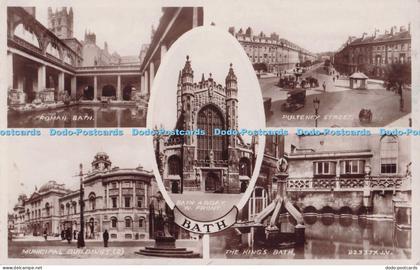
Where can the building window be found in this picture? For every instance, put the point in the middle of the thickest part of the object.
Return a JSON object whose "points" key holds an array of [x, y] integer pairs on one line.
{"points": [[245, 167], [324, 168], [209, 118], [128, 222], [127, 202], [389, 154], [47, 209], [92, 201], [114, 202], [352, 167], [114, 222], [114, 185], [141, 222], [257, 202], [174, 165], [139, 202]]}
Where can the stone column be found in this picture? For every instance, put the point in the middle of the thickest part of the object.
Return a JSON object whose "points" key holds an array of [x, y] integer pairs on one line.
{"points": [[142, 85], [195, 17], [119, 94], [95, 88], [120, 193], [41, 78], [61, 82], [73, 87], [152, 75], [163, 50], [134, 195], [10, 68], [146, 82]]}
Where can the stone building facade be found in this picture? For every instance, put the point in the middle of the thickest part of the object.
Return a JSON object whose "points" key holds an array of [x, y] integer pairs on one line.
{"points": [[365, 176], [125, 202], [278, 54], [372, 54], [207, 163]]}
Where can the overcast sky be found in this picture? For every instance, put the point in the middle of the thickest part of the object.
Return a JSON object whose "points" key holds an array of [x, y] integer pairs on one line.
{"points": [[124, 27], [320, 25], [34, 161]]}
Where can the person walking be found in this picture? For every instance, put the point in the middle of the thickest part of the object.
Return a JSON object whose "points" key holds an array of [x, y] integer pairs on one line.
{"points": [[68, 235], [105, 236], [45, 234], [324, 85]]}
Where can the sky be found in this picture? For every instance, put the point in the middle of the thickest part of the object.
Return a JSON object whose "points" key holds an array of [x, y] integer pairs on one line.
{"points": [[318, 26], [124, 27], [322, 25], [33, 161]]}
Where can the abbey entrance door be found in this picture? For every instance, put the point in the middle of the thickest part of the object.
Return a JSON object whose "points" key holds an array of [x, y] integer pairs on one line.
{"points": [[213, 181]]}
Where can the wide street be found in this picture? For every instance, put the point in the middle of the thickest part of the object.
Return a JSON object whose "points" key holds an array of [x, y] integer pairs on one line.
{"points": [[39, 248], [339, 105]]}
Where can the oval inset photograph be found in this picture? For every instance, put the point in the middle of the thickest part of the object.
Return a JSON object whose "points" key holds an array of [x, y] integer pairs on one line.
{"points": [[206, 110]]}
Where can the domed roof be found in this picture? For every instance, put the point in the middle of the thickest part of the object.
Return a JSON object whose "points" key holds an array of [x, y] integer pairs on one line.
{"points": [[50, 185]]}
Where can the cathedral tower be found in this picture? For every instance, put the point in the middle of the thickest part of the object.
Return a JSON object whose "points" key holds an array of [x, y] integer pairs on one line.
{"points": [[60, 22]]}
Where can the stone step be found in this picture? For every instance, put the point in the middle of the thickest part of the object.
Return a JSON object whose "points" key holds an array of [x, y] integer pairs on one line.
{"points": [[168, 251], [168, 255], [165, 248]]}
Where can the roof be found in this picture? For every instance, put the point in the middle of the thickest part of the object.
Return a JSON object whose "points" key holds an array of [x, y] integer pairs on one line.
{"points": [[359, 75]]}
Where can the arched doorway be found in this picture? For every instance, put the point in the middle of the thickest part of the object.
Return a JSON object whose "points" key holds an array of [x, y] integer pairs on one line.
{"points": [[109, 91], [88, 93], [212, 182], [127, 92]]}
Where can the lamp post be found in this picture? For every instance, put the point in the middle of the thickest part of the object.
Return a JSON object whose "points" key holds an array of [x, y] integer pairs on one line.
{"points": [[81, 238], [316, 107]]}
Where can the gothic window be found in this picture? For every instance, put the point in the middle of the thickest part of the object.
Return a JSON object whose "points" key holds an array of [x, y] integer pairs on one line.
{"points": [[389, 154], [209, 118], [244, 167], [114, 222], [174, 165]]}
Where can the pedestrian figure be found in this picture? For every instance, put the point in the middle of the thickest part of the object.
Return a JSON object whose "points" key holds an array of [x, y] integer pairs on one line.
{"points": [[333, 79], [74, 235], [68, 235], [62, 235], [45, 234], [106, 238], [324, 86]]}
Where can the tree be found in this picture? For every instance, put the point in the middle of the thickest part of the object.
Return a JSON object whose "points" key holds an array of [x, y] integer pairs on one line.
{"points": [[398, 74]]}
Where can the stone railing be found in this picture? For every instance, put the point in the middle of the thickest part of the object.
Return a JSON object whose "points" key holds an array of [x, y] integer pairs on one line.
{"points": [[345, 183]]}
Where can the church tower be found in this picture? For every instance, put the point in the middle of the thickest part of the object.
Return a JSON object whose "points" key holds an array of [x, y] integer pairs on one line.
{"points": [[231, 82], [60, 22]]}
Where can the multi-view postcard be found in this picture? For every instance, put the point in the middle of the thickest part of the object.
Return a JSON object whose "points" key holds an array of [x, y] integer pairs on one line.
{"points": [[225, 132]]}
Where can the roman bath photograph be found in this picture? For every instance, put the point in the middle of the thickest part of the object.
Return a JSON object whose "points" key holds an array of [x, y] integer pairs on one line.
{"points": [[100, 201], [326, 197], [319, 69], [68, 67], [204, 96]]}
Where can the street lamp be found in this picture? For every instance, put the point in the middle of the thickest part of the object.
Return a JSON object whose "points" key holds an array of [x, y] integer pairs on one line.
{"points": [[316, 107], [81, 238]]}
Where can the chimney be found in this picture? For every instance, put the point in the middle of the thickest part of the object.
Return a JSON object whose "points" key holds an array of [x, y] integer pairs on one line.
{"points": [[402, 28]]}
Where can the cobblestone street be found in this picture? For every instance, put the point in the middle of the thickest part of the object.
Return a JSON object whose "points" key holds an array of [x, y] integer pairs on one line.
{"points": [[339, 106]]}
